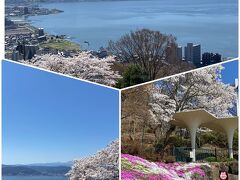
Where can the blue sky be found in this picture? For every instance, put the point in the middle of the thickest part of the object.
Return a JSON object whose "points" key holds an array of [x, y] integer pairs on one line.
{"points": [[230, 72], [51, 118]]}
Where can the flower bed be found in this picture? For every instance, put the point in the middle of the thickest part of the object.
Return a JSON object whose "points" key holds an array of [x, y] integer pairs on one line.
{"points": [[134, 167]]}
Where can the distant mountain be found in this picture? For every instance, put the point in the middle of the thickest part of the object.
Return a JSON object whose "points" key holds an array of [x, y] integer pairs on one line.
{"points": [[68, 164], [27, 170]]}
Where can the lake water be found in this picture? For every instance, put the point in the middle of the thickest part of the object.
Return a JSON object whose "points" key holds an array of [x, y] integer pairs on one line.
{"points": [[212, 23], [34, 178]]}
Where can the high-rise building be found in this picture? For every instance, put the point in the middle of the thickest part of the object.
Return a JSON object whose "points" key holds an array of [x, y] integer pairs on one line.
{"points": [[206, 58], [217, 58], [179, 53], [40, 32], [30, 51], [193, 53], [25, 10], [188, 52], [197, 55], [210, 58]]}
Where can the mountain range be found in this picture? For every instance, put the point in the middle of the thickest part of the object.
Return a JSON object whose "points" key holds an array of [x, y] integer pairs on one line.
{"points": [[38, 169]]}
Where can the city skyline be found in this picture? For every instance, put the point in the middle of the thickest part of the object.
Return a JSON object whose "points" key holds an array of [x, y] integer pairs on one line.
{"points": [[193, 53]]}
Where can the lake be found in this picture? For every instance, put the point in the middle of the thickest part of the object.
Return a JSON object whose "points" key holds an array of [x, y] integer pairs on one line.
{"points": [[211, 23], [34, 178]]}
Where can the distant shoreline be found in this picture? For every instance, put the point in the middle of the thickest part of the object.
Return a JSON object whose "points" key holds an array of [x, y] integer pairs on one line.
{"points": [[30, 22]]}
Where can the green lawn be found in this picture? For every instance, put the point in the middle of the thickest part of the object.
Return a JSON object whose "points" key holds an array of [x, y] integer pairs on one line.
{"points": [[61, 45]]}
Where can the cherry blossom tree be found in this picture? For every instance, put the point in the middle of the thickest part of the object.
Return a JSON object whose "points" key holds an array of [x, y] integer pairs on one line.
{"points": [[201, 89], [104, 165], [83, 66]]}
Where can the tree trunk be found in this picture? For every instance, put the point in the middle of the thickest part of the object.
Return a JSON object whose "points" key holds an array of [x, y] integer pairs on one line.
{"points": [[168, 134]]}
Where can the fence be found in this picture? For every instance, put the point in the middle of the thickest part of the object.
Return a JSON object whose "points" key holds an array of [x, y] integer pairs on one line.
{"points": [[183, 153]]}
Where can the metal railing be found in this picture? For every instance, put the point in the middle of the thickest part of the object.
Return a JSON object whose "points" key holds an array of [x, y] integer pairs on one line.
{"points": [[183, 153]]}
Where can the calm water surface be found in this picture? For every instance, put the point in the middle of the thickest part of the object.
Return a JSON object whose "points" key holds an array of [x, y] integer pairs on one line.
{"points": [[34, 178], [212, 23]]}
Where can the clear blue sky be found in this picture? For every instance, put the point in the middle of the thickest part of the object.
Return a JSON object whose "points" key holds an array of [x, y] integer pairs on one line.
{"points": [[50, 118], [230, 72]]}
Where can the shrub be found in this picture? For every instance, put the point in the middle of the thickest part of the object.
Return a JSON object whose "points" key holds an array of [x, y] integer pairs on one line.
{"points": [[159, 146], [132, 75], [214, 138], [230, 159], [170, 159], [204, 155], [218, 139], [211, 159]]}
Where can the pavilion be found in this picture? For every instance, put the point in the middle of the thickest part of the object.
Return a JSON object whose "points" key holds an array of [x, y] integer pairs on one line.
{"points": [[194, 119]]}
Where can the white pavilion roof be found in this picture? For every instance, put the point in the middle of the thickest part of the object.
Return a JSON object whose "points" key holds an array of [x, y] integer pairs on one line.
{"points": [[202, 118]]}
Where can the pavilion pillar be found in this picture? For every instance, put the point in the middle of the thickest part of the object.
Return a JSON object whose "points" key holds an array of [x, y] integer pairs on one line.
{"points": [[193, 130], [230, 133]]}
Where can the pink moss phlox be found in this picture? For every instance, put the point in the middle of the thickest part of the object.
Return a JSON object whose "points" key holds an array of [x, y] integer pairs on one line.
{"points": [[160, 171], [136, 159]]}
